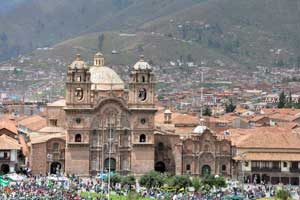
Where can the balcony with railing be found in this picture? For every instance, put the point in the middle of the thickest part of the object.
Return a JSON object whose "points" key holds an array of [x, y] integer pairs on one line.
{"points": [[5, 158], [265, 169], [294, 169]]}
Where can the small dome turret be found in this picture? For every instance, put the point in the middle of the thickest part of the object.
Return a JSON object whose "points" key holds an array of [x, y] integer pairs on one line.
{"points": [[99, 59], [78, 63], [142, 64]]}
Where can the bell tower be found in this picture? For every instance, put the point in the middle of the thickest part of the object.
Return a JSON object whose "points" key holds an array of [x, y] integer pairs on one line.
{"points": [[142, 106], [142, 85], [78, 85]]}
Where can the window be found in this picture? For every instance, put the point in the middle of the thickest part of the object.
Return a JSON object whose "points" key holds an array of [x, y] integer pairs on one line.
{"points": [[142, 94], [143, 138], [78, 120], [265, 164], [223, 167], [284, 164], [160, 146], [188, 167], [143, 121], [143, 79], [55, 146], [79, 93], [77, 138], [295, 165], [276, 164], [246, 164], [255, 164], [6, 155], [53, 122]]}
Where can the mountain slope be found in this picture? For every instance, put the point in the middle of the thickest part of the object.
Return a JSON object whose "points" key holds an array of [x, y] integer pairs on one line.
{"points": [[253, 32], [38, 23]]}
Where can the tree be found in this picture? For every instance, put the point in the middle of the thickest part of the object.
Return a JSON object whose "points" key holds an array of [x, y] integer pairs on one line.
{"points": [[282, 194], [230, 107], [151, 180], [196, 183], [180, 182], [101, 42], [220, 182], [115, 179], [128, 180], [282, 100], [214, 181], [207, 111]]}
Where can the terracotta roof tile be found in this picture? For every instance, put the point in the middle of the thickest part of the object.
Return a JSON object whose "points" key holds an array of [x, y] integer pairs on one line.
{"points": [[7, 143], [9, 125], [265, 137], [269, 156], [45, 138], [33, 123]]}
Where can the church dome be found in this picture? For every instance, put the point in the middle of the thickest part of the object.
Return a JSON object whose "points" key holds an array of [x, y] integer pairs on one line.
{"points": [[78, 63], [168, 111], [105, 78], [142, 65], [199, 129]]}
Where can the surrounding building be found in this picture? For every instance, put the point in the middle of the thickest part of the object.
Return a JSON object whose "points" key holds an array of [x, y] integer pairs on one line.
{"points": [[266, 154], [10, 149]]}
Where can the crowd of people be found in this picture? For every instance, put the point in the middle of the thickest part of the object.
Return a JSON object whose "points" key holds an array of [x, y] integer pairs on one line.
{"points": [[72, 188]]}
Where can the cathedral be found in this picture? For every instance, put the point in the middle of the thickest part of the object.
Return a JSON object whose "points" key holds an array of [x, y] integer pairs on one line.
{"points": [[106, 125], [109, 126]]}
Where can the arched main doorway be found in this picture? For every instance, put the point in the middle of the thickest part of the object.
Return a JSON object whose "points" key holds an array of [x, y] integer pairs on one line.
{"points": [[110, 163], [206, 170], [4, 168], [160, 167], [55, 168]]}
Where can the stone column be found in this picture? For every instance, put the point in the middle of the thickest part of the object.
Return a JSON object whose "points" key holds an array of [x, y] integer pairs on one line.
{"points": [[178, 152]]}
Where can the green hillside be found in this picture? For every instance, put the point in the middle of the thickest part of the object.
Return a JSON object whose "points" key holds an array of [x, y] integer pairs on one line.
{"points": [[39, 23], [253, 32], [158, 49]]}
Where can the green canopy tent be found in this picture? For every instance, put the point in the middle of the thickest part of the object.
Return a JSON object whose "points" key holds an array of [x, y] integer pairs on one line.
{"points": [[4, 182]]}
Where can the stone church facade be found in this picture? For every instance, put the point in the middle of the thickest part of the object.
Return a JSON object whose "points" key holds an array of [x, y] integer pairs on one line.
{"points": [[104, 125], [108, 126]]}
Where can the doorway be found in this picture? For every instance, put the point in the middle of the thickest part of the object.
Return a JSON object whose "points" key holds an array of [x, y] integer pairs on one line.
{"points": [[55, 168]]}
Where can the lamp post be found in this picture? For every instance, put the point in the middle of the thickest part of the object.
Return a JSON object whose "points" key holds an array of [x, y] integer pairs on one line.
{"points": [[182, 139], [243, 172], [110, 139]]}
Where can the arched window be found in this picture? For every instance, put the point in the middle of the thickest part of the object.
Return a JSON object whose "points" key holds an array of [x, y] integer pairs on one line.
{"points": [[79, 93], [143, 138], [143, 79], [160, 146], [77, 138], [188, 167], [55, 146], [223, 167], [142, 94]]}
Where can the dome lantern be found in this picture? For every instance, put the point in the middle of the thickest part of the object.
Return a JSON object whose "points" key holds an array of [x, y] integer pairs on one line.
{"points": [[78, 63], [142, 64], [99, 60]]}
